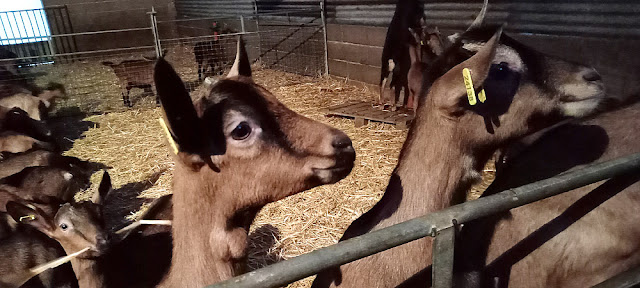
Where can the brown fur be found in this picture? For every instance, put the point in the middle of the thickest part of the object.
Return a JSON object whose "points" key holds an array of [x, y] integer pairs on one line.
{"points": [[36, 106], [18, 121], [576, 239], [43, 182], [15, 164], [424, 48], [75, 226], [17, 143], [133, 74], [448, 144], [220, 183]]}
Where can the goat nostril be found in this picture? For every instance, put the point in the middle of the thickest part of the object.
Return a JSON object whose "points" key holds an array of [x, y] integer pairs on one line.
{"points": [[341, 142], [592, 76]]}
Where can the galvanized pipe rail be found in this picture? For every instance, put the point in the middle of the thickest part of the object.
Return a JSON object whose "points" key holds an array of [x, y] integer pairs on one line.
{"points": [[435, 225]]}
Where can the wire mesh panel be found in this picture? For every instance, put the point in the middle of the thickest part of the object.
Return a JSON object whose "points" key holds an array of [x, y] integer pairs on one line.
{"points": [[110, 70], [290, 41]]}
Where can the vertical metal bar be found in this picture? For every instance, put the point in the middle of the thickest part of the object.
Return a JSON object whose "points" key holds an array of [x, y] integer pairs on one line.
{"points": [[45, 23], [154, 29], [324, 28], [442, 268], [73, 38], [255, 11], [242, 24]]}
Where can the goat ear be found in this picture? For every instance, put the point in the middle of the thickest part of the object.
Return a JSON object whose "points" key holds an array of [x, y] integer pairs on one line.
{"points": [[449, 91], [241, 66], [103, 189], [183, 122], [33, 217]]}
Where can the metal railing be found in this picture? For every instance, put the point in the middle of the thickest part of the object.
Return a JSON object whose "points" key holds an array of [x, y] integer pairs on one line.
{"points": [[440, 225]]}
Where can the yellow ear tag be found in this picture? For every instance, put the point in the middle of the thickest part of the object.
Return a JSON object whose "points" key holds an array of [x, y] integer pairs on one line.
{"points": [[482, 96], [421, 42], [468, 83], [28, 217], [168, 134]]}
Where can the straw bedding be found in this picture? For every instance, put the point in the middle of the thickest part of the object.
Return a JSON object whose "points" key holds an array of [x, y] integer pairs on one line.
{"points": [[132, 143]]}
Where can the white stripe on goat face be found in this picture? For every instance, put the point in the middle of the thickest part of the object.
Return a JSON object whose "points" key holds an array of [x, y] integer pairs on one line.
{"points": [[504, 54]]}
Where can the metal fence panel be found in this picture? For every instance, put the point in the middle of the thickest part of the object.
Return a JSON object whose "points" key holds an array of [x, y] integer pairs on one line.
{"points": [[355, 248]]}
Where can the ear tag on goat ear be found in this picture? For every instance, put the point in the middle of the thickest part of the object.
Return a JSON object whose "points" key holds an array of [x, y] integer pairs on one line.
{"points": [[468, 83], [482, 96], [28, 217], [172, 142]]}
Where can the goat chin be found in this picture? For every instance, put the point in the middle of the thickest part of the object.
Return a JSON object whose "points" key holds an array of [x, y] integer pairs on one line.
{"points": [[581, 108]]}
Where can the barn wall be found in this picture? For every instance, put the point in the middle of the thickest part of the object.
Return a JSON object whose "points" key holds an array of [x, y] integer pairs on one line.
{"points": [[601, 33], [89, 16]]}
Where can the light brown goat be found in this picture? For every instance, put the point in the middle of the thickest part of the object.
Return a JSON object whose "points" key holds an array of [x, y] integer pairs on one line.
{"points": [[36, 106], [576, 239], [239, 149], [17, 143], [136, 73], [451, 140]]}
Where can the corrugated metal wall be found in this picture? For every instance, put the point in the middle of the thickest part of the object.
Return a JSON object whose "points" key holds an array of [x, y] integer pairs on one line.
{"points": [[602, 33]]}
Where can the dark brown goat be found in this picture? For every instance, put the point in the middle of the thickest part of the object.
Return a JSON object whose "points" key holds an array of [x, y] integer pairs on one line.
{"points": [[134, 74], [576, 239], [239, 148], [46, 181], [395, 52], [451, 140], [17, 120], [211, 53]]}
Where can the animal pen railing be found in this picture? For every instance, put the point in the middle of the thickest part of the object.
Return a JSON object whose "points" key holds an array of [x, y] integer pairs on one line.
{"points": [[442, 226], [286, 40]]}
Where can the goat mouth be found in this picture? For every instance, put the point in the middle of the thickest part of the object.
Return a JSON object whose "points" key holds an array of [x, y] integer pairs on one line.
{"points": [[333, 174]]}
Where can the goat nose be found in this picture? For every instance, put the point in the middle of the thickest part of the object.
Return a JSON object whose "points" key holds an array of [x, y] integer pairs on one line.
{"points": [[341, 142], [591, 76]]}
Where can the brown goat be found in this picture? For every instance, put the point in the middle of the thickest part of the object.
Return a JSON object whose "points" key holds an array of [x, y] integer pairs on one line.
{"points": [[239, 148], [451, 140], [46, 181], [75, 226], [576, 239], [424, 48], [13, 164], [136, 73]]}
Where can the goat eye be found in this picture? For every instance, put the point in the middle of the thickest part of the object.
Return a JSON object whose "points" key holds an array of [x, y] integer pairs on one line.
{"points": [[500, 71], [241, 132], [63, 226]]}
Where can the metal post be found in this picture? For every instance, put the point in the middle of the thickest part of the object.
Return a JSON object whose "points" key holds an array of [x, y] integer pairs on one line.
{"points": [[255, 11], [442, 269], [324, 28], [154, 29], [242, 24]]}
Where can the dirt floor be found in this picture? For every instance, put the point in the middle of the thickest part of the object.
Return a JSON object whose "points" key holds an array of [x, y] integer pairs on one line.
{"points": [[99, 128]]}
